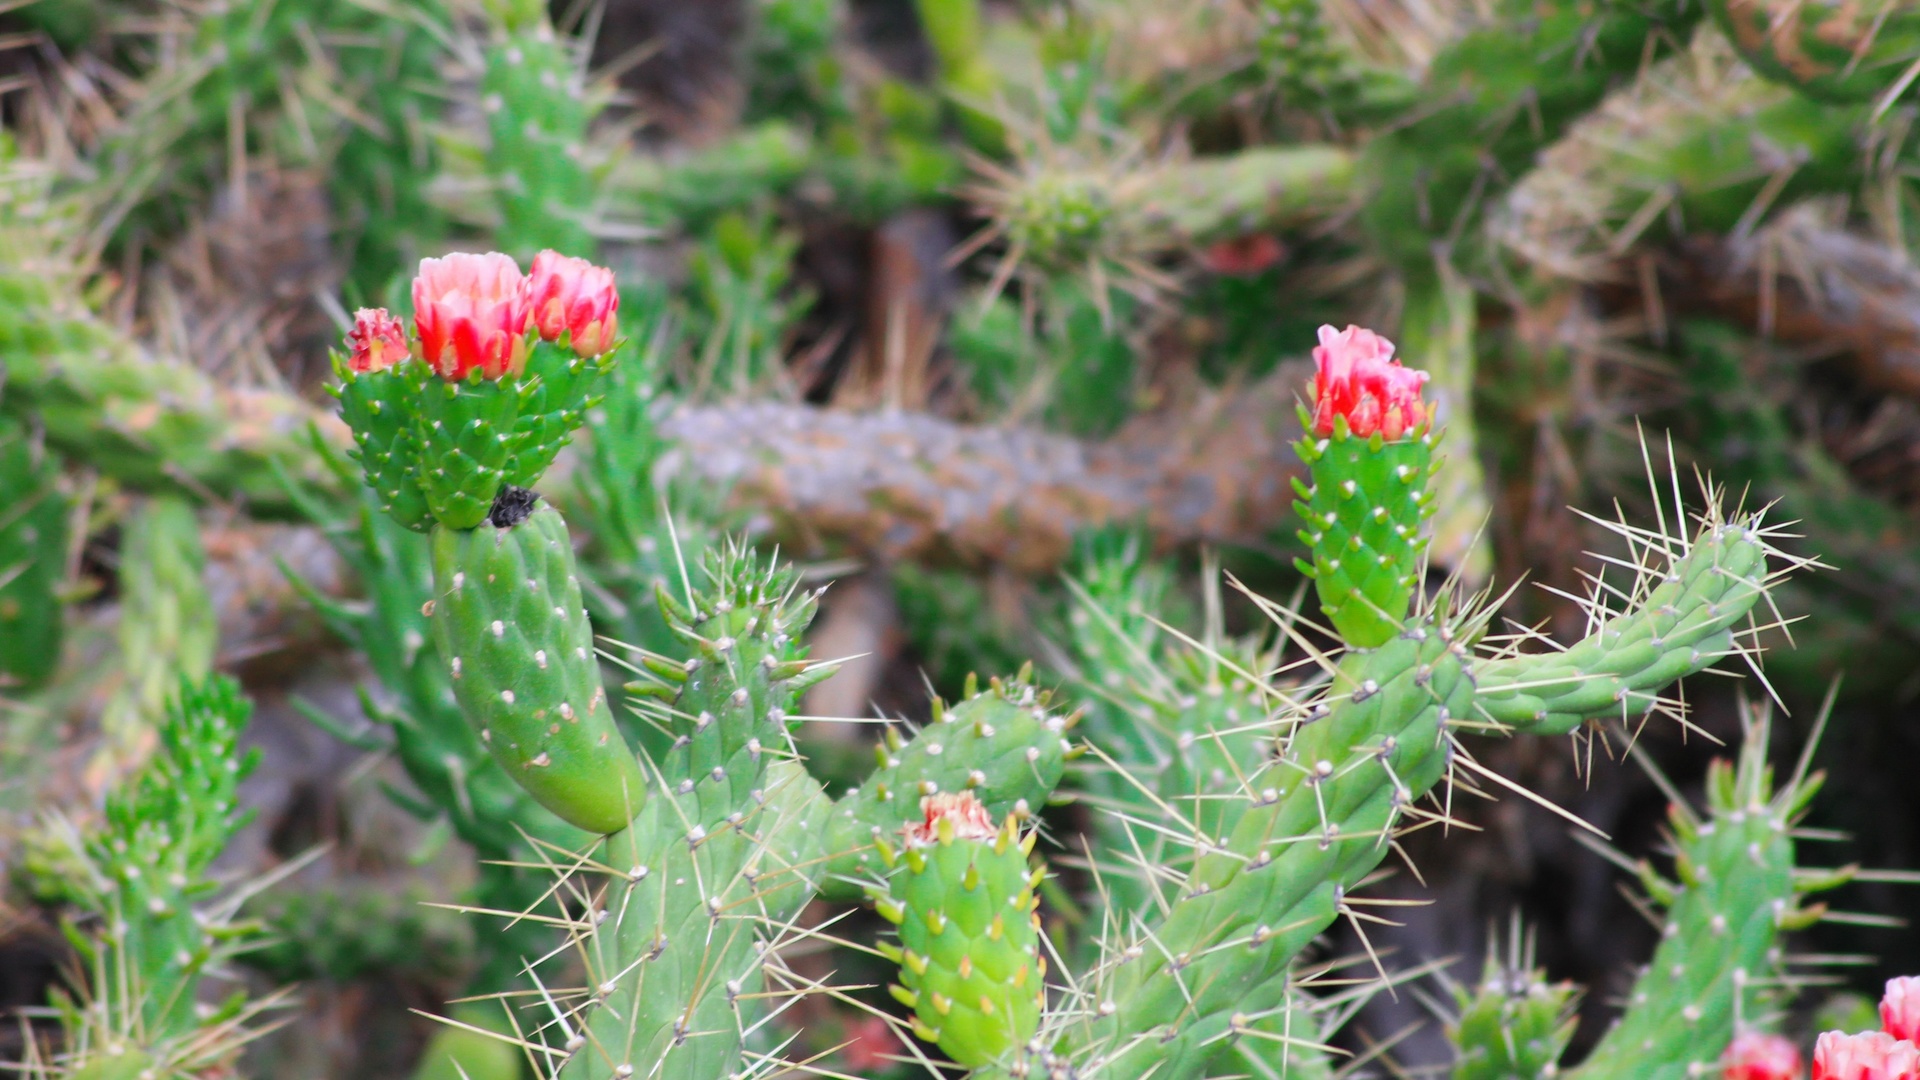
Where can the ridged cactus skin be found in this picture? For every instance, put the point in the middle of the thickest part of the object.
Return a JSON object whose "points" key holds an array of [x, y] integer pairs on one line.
{"points": [[1363, 513], [712, 851], [1514, 1025], [33, 560], [438, 450], [1736, 892], [1004, 745], [1840, 52], [961, 894], [514, 634]]}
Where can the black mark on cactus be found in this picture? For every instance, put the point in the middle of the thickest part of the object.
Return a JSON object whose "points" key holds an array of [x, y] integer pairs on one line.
{"points": [[512, 506]]}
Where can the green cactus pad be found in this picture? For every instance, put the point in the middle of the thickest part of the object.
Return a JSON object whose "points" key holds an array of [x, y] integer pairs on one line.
{"points": [[537, 118], [510, 625], [717, 859], [1363, 514], [969, 956], [1001, 744], [33, 560], [465, 431]]}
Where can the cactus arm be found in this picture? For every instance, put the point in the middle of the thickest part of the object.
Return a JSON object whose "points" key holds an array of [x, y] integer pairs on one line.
{"points": [[1735, 895], [537, 122], [1515, 1024], [1273, 886], [145, 875], [1316, 823], [1003, 744], [1683, 624], [686, 898], [33, 561], [514, 634]]}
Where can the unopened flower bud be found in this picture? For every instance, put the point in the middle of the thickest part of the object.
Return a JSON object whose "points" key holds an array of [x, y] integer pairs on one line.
{"points": [[575, 297], [376, 341], [1755, 1055]]}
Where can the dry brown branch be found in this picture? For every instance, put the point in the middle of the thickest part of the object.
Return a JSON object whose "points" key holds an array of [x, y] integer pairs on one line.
{"points": [[894, 485]]}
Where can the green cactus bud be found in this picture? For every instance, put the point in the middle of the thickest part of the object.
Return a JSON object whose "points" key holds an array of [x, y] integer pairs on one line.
{"points": [[1001, 745], [962, 897], [1363, 514], [1515, 1025], [33, 560], [518, 646]]}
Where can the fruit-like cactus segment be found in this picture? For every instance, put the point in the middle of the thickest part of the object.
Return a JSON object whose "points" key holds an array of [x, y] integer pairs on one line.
{"points": [[512, 630], [962, 897]]}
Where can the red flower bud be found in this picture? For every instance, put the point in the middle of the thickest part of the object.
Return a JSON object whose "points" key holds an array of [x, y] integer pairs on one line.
{"points": [[1900, 1009], [1755, 1055], [577, 297], [471, 311], [1358, 379], [1872, 1055], [963, 812], [376, 341]]}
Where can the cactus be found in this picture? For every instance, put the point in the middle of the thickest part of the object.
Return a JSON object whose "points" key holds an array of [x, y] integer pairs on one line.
{"points": [[962, 897], [533, 94], [33, 560], [167, 629], [1515, 1024], [1843, 53], [1738, 890], [158, 924], [510, 625], [1003, 745], [679, 951]]}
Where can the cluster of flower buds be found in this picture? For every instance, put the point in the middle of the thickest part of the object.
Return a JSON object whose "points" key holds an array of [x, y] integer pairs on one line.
{"points": [[1888, 1054], [499, 374], [1357, 381], [477, 313]]}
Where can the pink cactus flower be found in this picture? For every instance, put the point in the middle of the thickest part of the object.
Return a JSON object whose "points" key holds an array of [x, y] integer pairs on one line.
{"points": [[471, 311], [376, 341], [1900, 1009], [1755, 1055], [1872, 1055], [967, 815], [574, 296], [1358, 379]]}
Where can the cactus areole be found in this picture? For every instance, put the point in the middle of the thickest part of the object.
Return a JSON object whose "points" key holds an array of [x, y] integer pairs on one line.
{"points": [[1369, 447]]}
